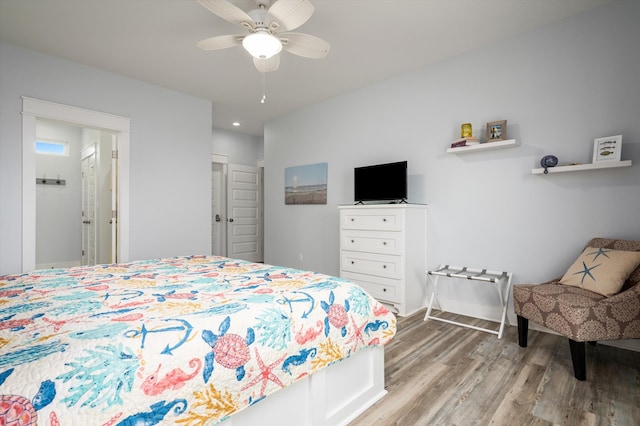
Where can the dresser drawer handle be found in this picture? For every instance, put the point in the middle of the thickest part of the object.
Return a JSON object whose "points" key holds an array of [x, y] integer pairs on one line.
{"points": [[384, 219], [384, 289], [353, 220], [384, 243], [384, 266], [353, 241], [353, 263]]}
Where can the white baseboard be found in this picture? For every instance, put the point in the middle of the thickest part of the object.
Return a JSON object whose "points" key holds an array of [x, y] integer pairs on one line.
{"points": [[56, 265]]}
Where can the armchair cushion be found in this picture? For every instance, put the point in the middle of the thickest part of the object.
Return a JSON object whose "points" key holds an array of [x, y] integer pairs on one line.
{"points": [[579, 314], [601, 270]]}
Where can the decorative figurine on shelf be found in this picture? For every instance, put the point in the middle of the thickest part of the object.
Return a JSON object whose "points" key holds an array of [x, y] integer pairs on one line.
{"points": [[548, 161], [466, 131], [466, 138]]}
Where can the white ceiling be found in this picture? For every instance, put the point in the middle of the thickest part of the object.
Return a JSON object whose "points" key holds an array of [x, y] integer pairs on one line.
{"points": [[371, 40]]}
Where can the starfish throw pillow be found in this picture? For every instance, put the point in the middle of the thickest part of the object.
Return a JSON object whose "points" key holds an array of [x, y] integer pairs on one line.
{"points": [[601, 270]]}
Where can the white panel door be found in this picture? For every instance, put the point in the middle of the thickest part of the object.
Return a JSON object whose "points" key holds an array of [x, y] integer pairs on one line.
{"points": [[243, 223], [89, 229]]}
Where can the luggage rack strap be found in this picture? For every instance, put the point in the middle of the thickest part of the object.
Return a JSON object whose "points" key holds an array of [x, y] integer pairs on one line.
{"points": [[469, 274]]}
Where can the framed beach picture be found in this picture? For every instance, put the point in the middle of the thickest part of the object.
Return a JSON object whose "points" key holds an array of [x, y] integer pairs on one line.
{"points": [[496, 130], [306, 184], [608, 148]]}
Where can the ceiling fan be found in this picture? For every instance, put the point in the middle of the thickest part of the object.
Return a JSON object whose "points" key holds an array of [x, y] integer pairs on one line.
{"points": [[268, 31]]}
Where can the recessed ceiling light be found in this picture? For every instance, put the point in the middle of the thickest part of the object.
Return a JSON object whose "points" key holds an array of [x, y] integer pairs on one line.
{"points": [[236, 124]]}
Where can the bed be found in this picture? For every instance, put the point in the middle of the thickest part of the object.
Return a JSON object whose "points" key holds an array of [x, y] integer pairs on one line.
{"points": [[193, 340]]}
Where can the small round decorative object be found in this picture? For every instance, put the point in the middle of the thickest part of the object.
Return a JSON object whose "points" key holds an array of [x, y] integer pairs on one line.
{"points": [[548, 161], [466, 130]]}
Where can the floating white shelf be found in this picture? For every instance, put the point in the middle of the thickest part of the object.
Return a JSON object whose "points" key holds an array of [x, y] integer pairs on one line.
{"points": [[483, 146], [579, 167]]}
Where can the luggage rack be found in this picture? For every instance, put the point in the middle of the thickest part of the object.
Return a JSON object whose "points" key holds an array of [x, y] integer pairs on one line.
{"points": [[501, 281]]}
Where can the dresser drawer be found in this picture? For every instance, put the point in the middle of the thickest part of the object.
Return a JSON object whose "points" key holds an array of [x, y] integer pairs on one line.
{"points": [[384, 289], [381, 265], [371, 219], [372, 241]]}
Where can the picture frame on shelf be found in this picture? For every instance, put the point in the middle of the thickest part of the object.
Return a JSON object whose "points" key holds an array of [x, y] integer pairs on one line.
{"points": [[496, 131], [607, 148]]}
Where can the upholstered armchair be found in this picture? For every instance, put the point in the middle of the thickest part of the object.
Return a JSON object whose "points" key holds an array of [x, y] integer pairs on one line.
{"points": [[598, 298]]}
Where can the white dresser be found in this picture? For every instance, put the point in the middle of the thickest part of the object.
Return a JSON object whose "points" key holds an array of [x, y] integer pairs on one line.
{"points": [[383, 249]]}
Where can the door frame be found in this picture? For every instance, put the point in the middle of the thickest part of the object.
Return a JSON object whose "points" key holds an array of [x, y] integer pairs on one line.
{"points": [[260, 166], [32, 109], [222, 238]]}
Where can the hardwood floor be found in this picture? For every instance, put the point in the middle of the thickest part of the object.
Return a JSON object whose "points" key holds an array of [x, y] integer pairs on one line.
{"points": [[440, 374]]}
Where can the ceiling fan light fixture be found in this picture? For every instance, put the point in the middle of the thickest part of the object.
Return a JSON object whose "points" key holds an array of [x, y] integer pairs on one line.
{"points": [[262, 45]]}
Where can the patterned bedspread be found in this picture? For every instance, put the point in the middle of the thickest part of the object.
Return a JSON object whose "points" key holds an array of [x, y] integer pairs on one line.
{"points": [[187, 340]]}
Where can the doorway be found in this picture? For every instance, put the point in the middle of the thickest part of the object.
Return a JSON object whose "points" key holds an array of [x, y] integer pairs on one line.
{"points": [[74, 206], [219, 207], [118, 129]]}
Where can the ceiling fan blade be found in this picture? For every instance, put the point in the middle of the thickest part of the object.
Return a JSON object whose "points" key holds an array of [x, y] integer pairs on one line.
{"points": [[304, 45], [220, 42], [227, 11], [267, 65], [288, 14]]}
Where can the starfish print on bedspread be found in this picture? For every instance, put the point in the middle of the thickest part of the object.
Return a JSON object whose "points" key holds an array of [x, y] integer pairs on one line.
{"points": [[357, 336], [265, 374]]}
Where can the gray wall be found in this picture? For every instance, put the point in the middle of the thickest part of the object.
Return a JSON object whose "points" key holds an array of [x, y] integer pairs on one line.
{"points": [[559, 88], [240, 148], [170, 151]]}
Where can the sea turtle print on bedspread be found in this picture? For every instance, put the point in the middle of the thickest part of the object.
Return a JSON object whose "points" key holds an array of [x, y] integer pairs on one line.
{"points": [[185, 340]]}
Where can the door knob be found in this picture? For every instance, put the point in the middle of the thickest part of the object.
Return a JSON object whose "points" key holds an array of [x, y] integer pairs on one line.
{"points": [[231, 219], [218, 218], [86, 221]]}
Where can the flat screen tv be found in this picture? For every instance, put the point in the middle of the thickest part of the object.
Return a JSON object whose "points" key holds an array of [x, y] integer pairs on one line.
{"points": [[381, 182]]}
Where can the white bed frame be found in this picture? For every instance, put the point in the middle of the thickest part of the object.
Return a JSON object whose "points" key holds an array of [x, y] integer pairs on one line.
{"points": [[332, 396]]}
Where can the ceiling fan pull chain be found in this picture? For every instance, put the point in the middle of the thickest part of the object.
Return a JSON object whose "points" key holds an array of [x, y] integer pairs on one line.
{"points": [[264, 88]]}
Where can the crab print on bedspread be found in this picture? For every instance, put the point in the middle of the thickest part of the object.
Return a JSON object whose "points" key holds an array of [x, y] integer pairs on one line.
{"points": [[186, 340]]}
